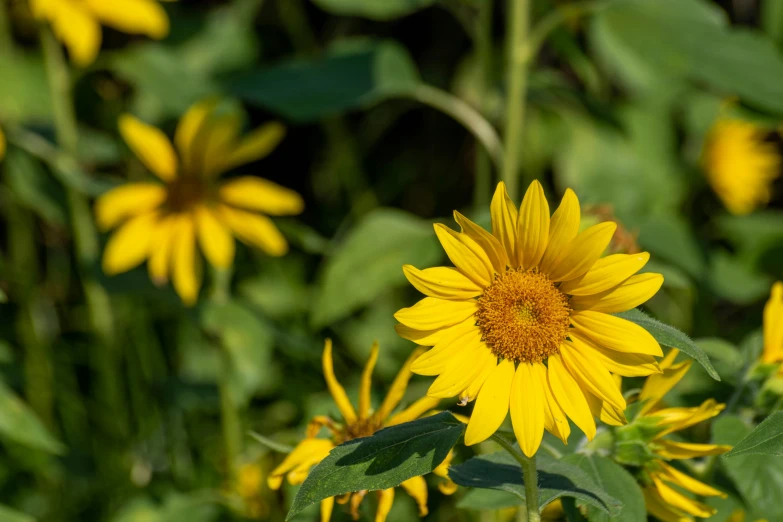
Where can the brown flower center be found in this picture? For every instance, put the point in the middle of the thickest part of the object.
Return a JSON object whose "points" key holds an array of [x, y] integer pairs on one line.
{"points": [[523, 317], [185, 192], [360, 428]]}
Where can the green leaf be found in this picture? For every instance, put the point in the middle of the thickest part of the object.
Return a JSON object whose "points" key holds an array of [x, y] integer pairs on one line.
{"points": [[373, 9], [766, 439], [11, 515], [614, 479], [500, 471], [489, 499], [19, 424], [369, 261], [25, 99], [671, 337], [384, 460], [351, 75], [772, 19], [34, 187], [734, 280], [671, 238]]}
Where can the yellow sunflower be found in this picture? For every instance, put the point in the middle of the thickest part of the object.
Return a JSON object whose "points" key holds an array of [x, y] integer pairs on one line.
{"points": [[656, 475], [77, 23], [773, 326], [355, 424], [523, 321], [162, 222], [740, 165]]}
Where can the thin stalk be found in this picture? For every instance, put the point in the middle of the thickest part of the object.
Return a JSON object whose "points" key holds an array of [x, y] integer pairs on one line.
{"points": [[229, 415], [483, 183], [518, 61], [529, 476]]}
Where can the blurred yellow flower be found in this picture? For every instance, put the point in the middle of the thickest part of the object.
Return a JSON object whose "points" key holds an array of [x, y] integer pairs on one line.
{"points": [[657, 476], [773, 326], [360, 423], [739, 516], [537, 296], [249, 484], [2, 144], [161, 222], [740, 165]]}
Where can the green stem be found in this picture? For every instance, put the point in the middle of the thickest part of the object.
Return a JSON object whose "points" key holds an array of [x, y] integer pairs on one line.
{"points": [[484, 53], [518, 58], [229, 415], [556, 18], [529, 476]]}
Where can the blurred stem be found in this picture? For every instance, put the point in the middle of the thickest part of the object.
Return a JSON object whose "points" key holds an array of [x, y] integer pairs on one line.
{"points": [[6, 41], [516, 90], [483, 183], [529, 476], [229, 415]]}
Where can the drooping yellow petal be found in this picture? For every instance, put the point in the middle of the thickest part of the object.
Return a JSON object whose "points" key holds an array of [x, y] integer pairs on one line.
{"points": [[255, 145], [582, 252], [417, 488], [658, 385], [460, 372], [658, 507], [365, 386], [681, 502], [532, 226], [448, 487], [431, 313], [257, 231], [161, 247], [528, 405], [563, 229], [129, 245], [150, 145], [434, 361], [631, 293], [687, 482], [258, 194], [414, 411], [591, 375], [327, 505], [606, 273], [615, 333], [125, 201], [427, 337], [132, 16], [442, 282], [309, 451], [490, 244], [670, 449], [569, 396], [214, 237], [335, 388], [619, 363], [186, 270], [773, 325], [466, 255], [504, 222], [676, 419], [78, 29], [398, 386], [189, 127], [608, 414], [492, 404], [555, 419], [385, 501]]}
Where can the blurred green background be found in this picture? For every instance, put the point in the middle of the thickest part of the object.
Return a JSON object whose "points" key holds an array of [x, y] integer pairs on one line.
{"points": [[383, 100]]}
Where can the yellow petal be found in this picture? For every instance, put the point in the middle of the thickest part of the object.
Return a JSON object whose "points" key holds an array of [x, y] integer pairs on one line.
{"points": [[569, 396], [161, 247], [527, 405], [417, 488], [214, 237], [615, 333], [256, 145], [132, 16], [582, 252], [619, 363], [385, 501], [414, 411], [555, 419], [365, 386], [150, 145], [398, 386], [327, 505], [670, 449], [431, 313], [335, 388], [681, 502], [471, 392], [127, 200], [442, 282], [435, 361], [676, 419], [129, 245], [661, 510], [608, 414], [189, 127], [504, 222], [658, 385], [78, 29], [773, 325], [563, 229], [217, 138], [606, 273], [591, 375], [427, 337], [186, 275], [532, 226], [309, 451], [631, 293], [687, 482], [465, 366], [466, 255], [492, 404], [488, 242], [257, 231], [261, 195]]}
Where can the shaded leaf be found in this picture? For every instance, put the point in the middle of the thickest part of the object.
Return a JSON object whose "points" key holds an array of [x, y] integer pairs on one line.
{"points": [[19, 424], [11, 515], [766, 439], [489, 499]]}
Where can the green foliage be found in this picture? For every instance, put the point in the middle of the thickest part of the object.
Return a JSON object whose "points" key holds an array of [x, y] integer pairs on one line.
{"points": [[766, 439], [19, 424], [373, 9]]}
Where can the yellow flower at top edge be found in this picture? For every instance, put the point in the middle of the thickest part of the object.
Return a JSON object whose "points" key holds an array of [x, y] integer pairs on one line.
{"points": [[163, 221], [360, 422], [523, 321], [773, 326], [657, 475], [77, 23], [740, 165]]}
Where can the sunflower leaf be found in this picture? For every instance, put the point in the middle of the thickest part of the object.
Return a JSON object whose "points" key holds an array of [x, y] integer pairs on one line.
{"points": [[671, 337], [766, 439], [381, 461]]}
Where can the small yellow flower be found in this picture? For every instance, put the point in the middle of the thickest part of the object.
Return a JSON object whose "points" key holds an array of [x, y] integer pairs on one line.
{"points": [[657, 476], [360, 423], [77, 23], [249, 484], [523, 321], [773, 326], [740, 165], [162, 222]]}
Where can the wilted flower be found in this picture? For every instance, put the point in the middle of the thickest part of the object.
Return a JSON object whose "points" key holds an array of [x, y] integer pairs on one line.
{"points": [[361, 423], [523, 322]]}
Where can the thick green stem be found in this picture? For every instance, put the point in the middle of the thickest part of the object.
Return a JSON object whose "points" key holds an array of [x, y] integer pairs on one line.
{"points": [[518, 58], [484, 53], [529, 476]]}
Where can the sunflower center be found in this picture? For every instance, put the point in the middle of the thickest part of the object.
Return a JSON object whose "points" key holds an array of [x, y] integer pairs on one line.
{"points": [[523, 317], [360, 428], [185, 192]]}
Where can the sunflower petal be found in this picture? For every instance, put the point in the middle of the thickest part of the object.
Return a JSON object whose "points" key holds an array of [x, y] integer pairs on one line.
{"points": [[504, 222], [258, 194], [365, 387], [189, 127], [385, 501], [463, 368], [125, 201], [161, 247], [435, 360], [631, 293], [128, 247], [773, 326], [79, 31], [427, 337], [670, 449], [414, 411], [151, 146], [417, 488], [689, 483], [656, 386], [527, 405], [471, 392], [589, 373], [606, 273], [255, 230], [308, 451], [441, 282], [555, 419], [619, 363], [466, 255], [532, 226], [492, 404], [563, 229], [660, 509], [615, 333], [493, 248], [186, 271], [132, 16], [398, 386], [327, 505], [335, 388], [582, 252], [431, 313], [256, 145], [569, 396], [681, 502], [214, 237]]}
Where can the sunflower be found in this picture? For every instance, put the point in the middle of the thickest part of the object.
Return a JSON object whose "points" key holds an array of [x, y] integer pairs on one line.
{"points": [[77, 23], [740, 165], [655, 473], [162, 222], [361, 423], [523, 321], [773, 327]]}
